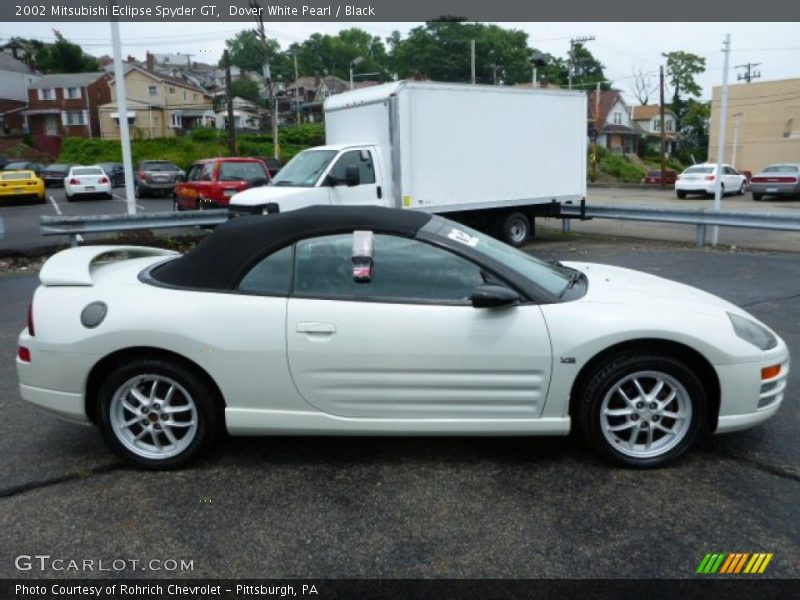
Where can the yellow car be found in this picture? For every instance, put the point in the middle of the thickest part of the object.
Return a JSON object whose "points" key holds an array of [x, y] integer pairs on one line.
{"points": [[21, 184]]}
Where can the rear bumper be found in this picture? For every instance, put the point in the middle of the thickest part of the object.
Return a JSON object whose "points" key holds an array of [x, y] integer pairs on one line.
{"points": [[65, 405], [773, 189], [155, 186]]}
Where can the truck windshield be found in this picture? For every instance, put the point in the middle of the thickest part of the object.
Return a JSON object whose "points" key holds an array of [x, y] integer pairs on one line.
{"points": [[552, 278], [304, 169]]}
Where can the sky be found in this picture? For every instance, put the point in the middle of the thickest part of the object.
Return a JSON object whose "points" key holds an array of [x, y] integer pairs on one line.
{"points": [[621, 47]]}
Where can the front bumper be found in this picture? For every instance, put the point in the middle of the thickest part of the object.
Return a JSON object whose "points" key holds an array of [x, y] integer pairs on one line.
{"points": [[747, 400]]}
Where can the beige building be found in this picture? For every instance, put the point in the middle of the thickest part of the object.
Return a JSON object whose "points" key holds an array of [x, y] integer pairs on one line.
{"points": [[158, 106], [768, 118]]}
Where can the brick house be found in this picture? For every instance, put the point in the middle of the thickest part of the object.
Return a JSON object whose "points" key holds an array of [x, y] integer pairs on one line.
{"points": [[66, 105], [615, 129]]}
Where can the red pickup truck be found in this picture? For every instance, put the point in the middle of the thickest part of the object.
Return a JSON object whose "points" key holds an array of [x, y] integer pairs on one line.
{"points": [[210, 183]]}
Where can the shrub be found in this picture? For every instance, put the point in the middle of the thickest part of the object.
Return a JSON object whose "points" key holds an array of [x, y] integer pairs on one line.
{"points": [[620, 167]]}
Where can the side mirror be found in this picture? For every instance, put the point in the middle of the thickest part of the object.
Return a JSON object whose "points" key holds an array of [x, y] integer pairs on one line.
{"points": [[352, 176], [493, 296]]}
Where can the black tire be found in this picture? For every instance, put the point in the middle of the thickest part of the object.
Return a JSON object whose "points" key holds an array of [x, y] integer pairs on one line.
{"points": [[680, 194], [68, 197], [600, 384], [175, 204], [208, 411], [109, 196], [757, 197], [515, 228], [137, 191], [741, 189]]}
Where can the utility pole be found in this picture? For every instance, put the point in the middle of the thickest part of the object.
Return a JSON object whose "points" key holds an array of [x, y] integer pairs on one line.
{"points": [[723, 123], [596, 130], [736, 118], [572, 43], [749, 72], [663, 132], [122, 111], [229, 95], [472, 48], [296, 92]]}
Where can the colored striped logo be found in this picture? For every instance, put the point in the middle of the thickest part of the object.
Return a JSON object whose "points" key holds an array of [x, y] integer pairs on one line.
{"points": [[734, 563]]}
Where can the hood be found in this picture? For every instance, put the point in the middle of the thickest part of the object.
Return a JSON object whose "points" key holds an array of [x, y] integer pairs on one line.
{"points": [[617, 285], [266, 194]]}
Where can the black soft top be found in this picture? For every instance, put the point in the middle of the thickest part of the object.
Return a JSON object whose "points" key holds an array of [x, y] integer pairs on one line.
{"points": [[220, 261]]}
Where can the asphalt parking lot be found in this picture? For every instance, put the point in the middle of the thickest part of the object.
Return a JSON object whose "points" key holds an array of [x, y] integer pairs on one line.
{"points": [[420, 507]]}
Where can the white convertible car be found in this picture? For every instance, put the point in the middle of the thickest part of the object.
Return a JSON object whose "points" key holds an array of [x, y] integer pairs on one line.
{"points": [[367, 320]]}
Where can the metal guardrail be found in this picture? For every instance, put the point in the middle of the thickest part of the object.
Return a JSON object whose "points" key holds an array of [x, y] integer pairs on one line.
{"points": [[76, 225], [701, 218]]}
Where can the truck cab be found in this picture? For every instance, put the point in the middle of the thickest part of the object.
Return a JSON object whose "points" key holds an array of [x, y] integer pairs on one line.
{"points": [[335, 174]]}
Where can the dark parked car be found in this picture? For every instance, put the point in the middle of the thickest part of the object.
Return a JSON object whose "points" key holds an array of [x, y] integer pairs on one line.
{"points": [[156, 177], [273, 165], [25, 165], [3, 161], [211, 183], [115, 172], [54, 174], [655, 178]]}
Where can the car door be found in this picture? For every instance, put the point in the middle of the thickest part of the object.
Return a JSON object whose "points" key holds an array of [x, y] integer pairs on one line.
{"points": [[185, 191], [368, 191], [731, 179], [409, 344]]}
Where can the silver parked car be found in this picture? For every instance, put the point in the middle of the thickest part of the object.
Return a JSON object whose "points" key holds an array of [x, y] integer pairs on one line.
{"points": [[776, 180]]}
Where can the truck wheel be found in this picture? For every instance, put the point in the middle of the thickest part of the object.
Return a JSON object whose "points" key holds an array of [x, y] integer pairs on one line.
{"points": [[515, 228]]}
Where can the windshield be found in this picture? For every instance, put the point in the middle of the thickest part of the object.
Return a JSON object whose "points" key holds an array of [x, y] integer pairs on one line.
{"points": [[305, 168], [550, 277], [242, 171], [781, 169], [698, 170]]}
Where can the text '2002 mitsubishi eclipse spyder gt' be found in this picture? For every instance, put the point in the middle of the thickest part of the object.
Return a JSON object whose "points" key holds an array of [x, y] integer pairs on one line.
{"points": [[368, 320]]}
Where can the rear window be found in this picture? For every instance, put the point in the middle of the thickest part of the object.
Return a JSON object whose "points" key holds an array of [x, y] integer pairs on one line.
{"points": [[158, 166], [654, 173], [58, 167], [15, 176], [88, 171], [241, 171], [698, 170], [781, 169]]}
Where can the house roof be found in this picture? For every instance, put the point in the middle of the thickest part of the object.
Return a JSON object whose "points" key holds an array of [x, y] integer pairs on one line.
{"points": [[67, 80], [9, 63], [643, 113], [608, 98], [162, 77]]}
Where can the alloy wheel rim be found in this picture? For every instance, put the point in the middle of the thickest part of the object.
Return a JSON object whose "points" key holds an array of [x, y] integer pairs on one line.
{"points": [[154, 416], [645, 414]]}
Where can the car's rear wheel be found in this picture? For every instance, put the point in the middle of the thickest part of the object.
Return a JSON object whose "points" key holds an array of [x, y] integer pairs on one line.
{"points": [[757, 197], [741, 189], [681, 194], [642, 410], [157, 414]]}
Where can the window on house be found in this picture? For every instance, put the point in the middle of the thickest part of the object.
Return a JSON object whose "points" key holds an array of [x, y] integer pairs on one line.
{"points": [[669, 124], [171, 91], [46, 94], [152, 90], [72, 93], [656, 124], [184, 94], [75, 117], [194, 96], [176, 120], [617, 118]]}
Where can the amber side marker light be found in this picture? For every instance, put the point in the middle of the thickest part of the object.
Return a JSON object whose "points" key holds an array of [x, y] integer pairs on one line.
{"points": [[24, 354], [770, 372]]}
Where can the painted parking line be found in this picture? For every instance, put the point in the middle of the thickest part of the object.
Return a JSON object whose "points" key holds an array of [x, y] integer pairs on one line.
{"points": [[2, 228], [124, 199], [55, 205]]}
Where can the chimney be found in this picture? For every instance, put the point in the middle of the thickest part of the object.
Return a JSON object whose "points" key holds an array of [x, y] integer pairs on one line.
{"points": [[151, 62]]}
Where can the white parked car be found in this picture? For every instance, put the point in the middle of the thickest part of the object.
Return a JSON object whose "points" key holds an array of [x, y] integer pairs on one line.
{"points": [[86, 181], [701, 179], [368, 320]]}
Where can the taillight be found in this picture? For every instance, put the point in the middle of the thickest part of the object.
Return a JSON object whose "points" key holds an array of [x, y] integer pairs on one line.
{"points": [[31, 330], [710, 177], [142, 174], [774, 179], [24, 354], [74, 181], [104, 180]]}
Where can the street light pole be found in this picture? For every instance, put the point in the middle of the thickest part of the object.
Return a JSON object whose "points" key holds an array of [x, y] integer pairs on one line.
{"points": [[122, 111], [723, 124], [356, 61], [735, 138]]}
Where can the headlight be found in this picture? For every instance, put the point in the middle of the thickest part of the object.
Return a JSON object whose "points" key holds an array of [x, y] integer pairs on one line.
{"points": [[752, 332]]}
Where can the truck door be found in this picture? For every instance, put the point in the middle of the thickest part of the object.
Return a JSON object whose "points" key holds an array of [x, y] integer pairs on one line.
{"points": [[368, 189]]}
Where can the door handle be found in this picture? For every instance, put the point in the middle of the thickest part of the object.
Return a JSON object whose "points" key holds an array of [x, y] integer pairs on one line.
{"points": [[307, 327]]}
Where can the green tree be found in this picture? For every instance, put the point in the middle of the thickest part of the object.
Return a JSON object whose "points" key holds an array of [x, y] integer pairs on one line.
{"points": [[682, 68], [62, 56], [246, 88], [587, 70], [249, 54], [331, 55]]}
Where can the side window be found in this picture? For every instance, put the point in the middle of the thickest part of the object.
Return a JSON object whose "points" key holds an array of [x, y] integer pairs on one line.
{"points": [[358, 158], [208, 170], [193, 173], [404, 270], [272, 276]]}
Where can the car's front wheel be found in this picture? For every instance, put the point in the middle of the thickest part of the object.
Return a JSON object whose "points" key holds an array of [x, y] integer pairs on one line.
{"points": [[157, 414], [642, 410]]}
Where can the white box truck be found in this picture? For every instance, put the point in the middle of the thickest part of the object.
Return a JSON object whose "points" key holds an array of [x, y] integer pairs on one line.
{"points": [[489, 156]]}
